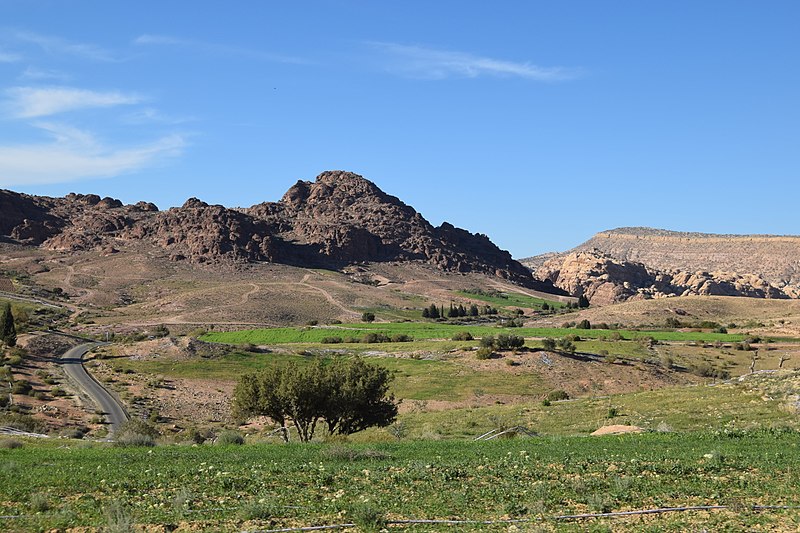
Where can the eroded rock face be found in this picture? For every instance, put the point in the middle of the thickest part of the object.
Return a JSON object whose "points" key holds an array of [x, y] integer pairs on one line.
{"points": [[605, 280], [338, 219]]}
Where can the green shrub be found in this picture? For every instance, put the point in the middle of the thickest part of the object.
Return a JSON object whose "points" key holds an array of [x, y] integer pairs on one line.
{"points": [[136, 432], [508, 342], [549, 344], [230, 437], [258, 510], [401, 337], [39, 503], [368, 517], [484, 353], [368, 317], [557, 395], [21, 387], [134, 440], [583, 324], [331, 340], [10, 444], [463, 336]]}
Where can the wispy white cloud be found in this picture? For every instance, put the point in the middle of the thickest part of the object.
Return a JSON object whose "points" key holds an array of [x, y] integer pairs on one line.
{"points": [[37, 74], [59, 46], [149, 115], [215, 49], [429, 63], [31, 102], [9, 57], [74, 154]]}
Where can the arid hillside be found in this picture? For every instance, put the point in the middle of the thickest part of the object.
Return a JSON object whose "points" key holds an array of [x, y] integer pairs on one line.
{"points": [[338, 220]]}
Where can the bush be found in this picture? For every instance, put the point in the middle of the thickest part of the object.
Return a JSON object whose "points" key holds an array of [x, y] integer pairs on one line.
{"points": [[549, 344], [230, 437], [21, 387], [557, 395], [463, 336], [401, 337], [612, 412], [331, 340], [566, 345], [487, 342], [484, 353], [368, 317], [136, 432], [135, 440], [583, 324], [508, 342], [10, 444], [368, 518]]}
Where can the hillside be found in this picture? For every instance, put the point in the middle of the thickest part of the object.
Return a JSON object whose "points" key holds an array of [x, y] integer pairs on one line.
{"points": [[339, 219]]}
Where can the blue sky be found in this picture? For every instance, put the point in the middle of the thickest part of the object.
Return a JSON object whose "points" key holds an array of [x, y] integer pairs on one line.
{"points": [[536, 123]]}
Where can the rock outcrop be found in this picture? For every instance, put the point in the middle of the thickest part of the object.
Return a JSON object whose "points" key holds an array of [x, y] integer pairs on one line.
{"points": [[604, 280], [340, 218], [776, 258]]}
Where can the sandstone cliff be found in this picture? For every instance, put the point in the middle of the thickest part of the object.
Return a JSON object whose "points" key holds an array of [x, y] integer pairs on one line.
{"points": [[604, 280]]}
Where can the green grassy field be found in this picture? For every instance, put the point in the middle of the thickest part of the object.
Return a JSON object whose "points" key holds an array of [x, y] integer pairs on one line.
{"points": [[436, 330], [511, 299], [416, 379], [722, 407], [66, 484]]}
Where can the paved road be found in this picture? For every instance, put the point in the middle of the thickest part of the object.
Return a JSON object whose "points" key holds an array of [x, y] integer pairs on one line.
{"points": [[72, 361]]}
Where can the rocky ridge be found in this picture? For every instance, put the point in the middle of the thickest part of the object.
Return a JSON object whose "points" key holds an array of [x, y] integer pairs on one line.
{"points": [[340, 218], [604, 280], [776, 258]]}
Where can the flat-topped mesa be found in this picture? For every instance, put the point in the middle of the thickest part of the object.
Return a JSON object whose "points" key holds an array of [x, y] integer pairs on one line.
{"points": [[604, 280], [776, 258]]}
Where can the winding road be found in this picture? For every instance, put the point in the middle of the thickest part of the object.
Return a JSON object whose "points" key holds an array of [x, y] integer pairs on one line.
{"points": [[72, 362]]}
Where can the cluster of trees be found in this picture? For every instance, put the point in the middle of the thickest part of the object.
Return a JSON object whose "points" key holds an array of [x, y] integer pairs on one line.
{"points": [[564, 344], [456, 311], [503, 342], [8, 332], [346, 395]]}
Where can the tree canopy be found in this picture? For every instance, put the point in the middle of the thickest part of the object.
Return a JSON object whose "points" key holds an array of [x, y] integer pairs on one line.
{"points": [[8, 333], [347, 395]]}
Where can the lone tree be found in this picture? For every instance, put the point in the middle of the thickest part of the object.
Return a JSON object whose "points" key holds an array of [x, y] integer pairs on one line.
{"points": [[347, 395], [8, 333], [368, 316]]}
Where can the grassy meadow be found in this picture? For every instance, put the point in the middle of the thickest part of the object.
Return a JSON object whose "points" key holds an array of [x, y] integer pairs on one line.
{"points": [[438, 330], [64, 484]]}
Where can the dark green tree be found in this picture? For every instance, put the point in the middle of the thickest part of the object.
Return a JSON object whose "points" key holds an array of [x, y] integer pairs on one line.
{"points": [[583, 301], [473, 310], [348, 395], [8, 332], [426, 313], [368, 316], [434, 311]]}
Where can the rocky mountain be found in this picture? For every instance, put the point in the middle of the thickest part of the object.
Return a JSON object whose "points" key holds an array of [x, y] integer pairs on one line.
{"points": [[340, 218], [604, 280]]}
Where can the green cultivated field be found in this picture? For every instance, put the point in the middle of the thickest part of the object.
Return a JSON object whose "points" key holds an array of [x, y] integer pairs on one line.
{"points": [[511, 299], [63, 484], [435, 330]]}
